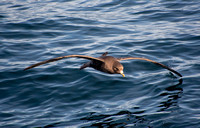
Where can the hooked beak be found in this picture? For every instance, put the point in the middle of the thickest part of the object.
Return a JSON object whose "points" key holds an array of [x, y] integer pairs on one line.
{"points": [[122, 73]]}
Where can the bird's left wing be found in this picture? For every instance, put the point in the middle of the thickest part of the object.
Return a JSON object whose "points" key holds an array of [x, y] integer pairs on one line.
{"points": [[162, 65], [62, 57]]}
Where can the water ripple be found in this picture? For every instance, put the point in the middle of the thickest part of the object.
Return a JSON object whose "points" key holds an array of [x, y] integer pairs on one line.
{"points": [[60, 95]]}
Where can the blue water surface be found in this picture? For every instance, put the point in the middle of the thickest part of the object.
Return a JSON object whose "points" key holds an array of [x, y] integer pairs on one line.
{"points": [[60, 95]]}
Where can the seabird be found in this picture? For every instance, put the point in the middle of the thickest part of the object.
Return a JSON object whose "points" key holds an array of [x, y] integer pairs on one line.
{"points": [[104, 63]]}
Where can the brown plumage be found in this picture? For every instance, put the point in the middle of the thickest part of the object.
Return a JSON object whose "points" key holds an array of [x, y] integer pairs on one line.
{"points": [[104, 63]]}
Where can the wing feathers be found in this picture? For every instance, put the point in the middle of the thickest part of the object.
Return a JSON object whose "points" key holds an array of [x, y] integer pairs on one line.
{"points": [[162, 65], [62, 57]]}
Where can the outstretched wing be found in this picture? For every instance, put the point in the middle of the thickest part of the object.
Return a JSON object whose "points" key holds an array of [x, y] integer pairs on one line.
{"points": [[63, 57], [162, 65]]}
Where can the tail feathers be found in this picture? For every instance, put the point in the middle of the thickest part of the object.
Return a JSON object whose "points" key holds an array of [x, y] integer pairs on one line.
{"points": [[104, 54]]}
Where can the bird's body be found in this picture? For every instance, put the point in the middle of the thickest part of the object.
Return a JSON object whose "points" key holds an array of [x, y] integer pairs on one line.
{"points": [[104, 63], [106, 66]]}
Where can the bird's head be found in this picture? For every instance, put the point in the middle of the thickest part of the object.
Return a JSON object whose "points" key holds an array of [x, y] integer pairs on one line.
{"points": [[118, 68]]}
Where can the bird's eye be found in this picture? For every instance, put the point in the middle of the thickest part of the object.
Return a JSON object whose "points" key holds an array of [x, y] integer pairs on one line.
{"points": [[116, 69]]}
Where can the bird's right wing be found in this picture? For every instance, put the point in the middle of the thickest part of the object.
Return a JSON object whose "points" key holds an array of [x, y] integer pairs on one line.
{"points": [[162, 65], [63, 57]]}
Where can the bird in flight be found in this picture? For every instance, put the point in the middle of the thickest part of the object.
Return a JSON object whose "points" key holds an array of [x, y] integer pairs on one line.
{"points": [[104, 63]]}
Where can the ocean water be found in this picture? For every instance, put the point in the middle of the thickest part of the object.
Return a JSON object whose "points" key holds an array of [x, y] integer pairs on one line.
{"points": [[60, 95]]}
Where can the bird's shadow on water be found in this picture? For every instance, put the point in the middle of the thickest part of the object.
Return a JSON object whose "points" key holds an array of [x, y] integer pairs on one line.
{"points": [[126, 118]]}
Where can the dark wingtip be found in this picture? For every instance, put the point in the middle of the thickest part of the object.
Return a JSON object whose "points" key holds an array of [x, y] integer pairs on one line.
{"points": [[26, 69]]}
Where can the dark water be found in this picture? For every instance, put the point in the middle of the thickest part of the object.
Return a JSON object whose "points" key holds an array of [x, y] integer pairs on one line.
{"points": [[60, 95]]}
